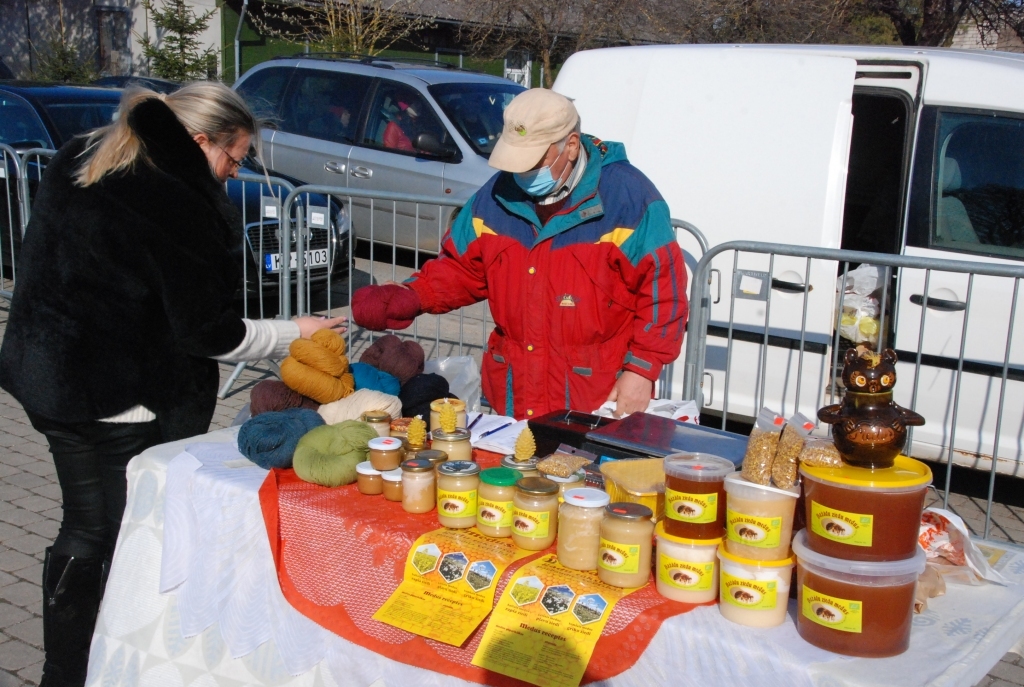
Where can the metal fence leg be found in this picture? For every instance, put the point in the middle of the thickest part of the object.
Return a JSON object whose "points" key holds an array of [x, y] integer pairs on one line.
{"points": [[230, 382]]}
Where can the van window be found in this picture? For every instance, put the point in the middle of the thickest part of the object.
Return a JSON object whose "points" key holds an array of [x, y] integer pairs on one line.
{"points": [[978, 184], [398, 116], [263, 91], [325, 105]]}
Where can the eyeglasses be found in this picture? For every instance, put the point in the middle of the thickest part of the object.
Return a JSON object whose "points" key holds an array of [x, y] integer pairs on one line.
{"points": [[236, 164]]}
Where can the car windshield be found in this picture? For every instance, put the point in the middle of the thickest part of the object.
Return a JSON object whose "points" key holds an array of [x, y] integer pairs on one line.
{"points": [[19, 123], [72, 119], [477, 110]]}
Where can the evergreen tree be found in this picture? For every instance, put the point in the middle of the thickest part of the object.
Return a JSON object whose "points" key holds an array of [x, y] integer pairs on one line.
{"points": [[179, 56]]}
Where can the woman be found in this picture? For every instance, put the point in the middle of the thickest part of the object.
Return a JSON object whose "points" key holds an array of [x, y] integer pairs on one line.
{"points": [[122, 308]]}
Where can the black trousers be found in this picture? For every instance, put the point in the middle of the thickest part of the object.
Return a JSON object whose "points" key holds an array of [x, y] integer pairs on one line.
{"points": [[91, 458]]}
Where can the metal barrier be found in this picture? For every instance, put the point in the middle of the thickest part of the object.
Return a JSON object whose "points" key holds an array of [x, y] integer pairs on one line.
{"points": [[31, 173], [955, 393], [13, 218]]}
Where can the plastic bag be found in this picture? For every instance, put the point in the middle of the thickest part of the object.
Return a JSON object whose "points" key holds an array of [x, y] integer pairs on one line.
{"points": [[859, 322], [761, 447], [820, 452], [684, 411], [463, 377], [791, 443], [947, 542]]}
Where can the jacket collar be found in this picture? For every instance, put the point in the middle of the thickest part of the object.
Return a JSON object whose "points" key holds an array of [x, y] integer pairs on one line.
{"points": [[584, 202]]}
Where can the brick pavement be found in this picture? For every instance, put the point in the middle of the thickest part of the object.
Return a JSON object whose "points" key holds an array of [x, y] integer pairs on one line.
{"points": [[30, 513]]}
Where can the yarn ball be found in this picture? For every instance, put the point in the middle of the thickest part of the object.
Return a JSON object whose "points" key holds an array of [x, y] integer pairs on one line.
{"points": [[402, 359], [271, 394], [353, 406], [385, 307], [417, 394], [269, 439], [318, 368], [369, 377], [328, 455]]}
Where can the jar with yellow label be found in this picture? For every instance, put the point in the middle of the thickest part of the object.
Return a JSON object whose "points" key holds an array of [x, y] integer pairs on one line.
{"points": [[627, 537], [392, 484], [435, 412], [686, 570], [435, 457], [494, 501], [579, 528], [526, 468], [386, 453], [455, 444], [368, 480], [758, 519], [695, 495], [379, 420], [534, 513], [754, 593], [418, 491], [457, 485]]}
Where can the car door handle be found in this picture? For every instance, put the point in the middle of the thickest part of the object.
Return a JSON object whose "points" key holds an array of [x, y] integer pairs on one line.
{"points": [[362, 172], [790, 286], [939, 303], [334, 167]]}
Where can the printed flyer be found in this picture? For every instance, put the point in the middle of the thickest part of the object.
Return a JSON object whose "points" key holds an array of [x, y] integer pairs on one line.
{"points": [[546, 624], [448, 586]]}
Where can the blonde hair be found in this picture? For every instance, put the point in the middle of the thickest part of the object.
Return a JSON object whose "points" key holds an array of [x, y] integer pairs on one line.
{"points": [[202, 107]]}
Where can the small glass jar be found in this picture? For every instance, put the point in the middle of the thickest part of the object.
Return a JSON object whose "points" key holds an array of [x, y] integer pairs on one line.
{"points": [[526, 468], [435, 457], [368, 480], [435, 412], [627, 534], [392, 484], [418, 486], [412, 451], [386, 453], [379, 420], [457, 484], [579, 528], [456, 444], [494, 502], [535, 513], [573, 481]]}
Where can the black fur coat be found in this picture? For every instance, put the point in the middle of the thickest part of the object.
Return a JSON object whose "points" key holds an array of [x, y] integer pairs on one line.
{"points": [[125, 287]]}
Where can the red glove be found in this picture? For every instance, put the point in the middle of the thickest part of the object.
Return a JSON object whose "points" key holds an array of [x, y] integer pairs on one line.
{"points": [[385, 307]]}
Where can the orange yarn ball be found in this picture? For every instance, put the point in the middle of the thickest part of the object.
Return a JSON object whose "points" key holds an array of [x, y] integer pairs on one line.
{"points": [[318, 368]]}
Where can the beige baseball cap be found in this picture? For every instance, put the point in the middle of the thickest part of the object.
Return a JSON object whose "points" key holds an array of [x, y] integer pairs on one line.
{"points": [[533, 121]]}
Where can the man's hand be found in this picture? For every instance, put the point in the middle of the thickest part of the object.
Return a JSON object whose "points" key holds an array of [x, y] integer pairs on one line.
{"points": [[631, 393], [309, 325]]}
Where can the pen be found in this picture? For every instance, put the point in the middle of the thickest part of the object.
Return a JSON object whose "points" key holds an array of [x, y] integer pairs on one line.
{"points": [[475, 421], [496, 429]]}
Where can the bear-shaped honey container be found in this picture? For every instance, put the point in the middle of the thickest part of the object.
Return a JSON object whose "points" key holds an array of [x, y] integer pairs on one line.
{"points": [[868, 428]]}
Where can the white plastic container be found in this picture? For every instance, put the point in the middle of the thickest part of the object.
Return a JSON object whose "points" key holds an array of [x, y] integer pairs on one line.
{"points": [[686, 570], [754, 593], [758, 519]]}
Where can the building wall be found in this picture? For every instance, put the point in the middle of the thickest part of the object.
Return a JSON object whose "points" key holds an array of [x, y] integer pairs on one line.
{"points": [[970, 37]]}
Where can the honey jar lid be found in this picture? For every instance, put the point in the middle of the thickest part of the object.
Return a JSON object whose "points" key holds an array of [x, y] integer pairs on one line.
{"points": [[418, 465], [629, 511], [392, 475], [458, 468], [530, 464], [537, 485], [908, 566], [574, 477], [726, 556], [441, 402], [500, 477], [698, 467], [433, 455], [376, 416], [366, 468], [459, 434], [659, 530], [587, 497], [905, 472], [384, 444]]}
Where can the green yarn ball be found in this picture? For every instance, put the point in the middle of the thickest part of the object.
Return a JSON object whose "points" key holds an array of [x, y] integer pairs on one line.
{"points": [[328, 455]]}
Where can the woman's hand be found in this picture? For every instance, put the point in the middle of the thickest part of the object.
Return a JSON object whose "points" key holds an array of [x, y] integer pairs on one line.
{"points": [[308, 325]]}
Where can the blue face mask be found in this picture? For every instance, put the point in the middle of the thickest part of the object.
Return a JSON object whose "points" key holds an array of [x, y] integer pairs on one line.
{"points": [[537, 182]]}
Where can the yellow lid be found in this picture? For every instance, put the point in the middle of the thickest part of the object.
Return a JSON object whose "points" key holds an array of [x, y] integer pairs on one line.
{"points": [[659, 530], [906, 472], [722, 553]]}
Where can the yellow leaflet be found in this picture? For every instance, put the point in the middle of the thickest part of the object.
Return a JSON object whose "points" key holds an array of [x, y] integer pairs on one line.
{"points": [[546, 624], [448, 586]]}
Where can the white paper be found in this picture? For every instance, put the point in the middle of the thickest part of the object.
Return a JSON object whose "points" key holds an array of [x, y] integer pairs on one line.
{"points": [[485, 424], [317, 219], [502, 441], [270, 211], [684, 411]]}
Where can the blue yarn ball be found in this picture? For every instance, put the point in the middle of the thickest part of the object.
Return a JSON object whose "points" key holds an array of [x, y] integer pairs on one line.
{"points": [[269, 439], [369, 377]]}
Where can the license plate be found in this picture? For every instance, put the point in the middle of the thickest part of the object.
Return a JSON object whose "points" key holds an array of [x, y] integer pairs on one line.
{"points": [[314, 258]]}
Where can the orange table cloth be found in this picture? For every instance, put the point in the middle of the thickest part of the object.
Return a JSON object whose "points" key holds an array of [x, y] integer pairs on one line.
{"points": [[339, 556]]}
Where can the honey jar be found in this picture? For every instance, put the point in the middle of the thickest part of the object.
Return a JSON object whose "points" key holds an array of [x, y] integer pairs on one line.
{"points": [[392, 484], [494, 501], [379, 420], [418, 491], [455, 444], [368, 480], [573, 481], [758, 519], [579, 527], [695, 495], [627, 537], [435, 412], [435, 457], [526, 468], [535, 513], [457, 484], [386, 453], [754, 593], [686, 570]]}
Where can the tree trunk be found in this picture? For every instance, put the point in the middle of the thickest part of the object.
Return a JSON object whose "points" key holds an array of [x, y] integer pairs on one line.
{"points": [[545, 58]]}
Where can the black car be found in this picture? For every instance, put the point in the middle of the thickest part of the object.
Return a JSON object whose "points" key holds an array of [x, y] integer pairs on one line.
{"points": [[150, 82], [42, 115]]}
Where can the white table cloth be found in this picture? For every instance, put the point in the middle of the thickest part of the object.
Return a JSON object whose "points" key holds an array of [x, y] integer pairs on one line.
{"points": [[193, 601]]}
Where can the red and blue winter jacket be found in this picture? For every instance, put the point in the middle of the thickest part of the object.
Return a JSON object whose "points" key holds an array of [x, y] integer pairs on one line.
{"points": [[599, 289]]}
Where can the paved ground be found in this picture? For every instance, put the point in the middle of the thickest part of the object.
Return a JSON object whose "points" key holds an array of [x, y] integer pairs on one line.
{"points": [[30, 502]]}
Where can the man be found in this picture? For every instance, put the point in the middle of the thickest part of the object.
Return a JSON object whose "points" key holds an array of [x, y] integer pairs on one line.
{"points": [[573, 248]]}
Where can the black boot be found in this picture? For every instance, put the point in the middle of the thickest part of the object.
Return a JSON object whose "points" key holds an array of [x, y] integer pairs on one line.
{"points": [[72, 589]]}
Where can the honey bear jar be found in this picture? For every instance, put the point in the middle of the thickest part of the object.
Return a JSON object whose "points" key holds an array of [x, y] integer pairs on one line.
{"points": [[868, 427]]}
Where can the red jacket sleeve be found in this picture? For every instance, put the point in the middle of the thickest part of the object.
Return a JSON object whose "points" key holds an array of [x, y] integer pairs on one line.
{"points": [[455, 278]]}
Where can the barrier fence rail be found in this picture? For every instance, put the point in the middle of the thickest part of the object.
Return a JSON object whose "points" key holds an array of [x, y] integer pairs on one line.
{"points": [[13, 217], [959, 368]]}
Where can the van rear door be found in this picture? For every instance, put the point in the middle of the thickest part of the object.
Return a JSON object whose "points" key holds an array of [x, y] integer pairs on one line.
{"points": [[747, 143]]}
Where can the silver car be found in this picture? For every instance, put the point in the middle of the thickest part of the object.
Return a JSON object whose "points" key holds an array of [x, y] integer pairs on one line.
{"points": [[381, 125]]}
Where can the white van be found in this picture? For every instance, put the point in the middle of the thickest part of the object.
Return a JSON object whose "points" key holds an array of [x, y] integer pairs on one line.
{"points": [[894, 150]]}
